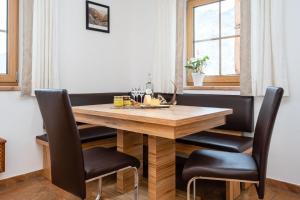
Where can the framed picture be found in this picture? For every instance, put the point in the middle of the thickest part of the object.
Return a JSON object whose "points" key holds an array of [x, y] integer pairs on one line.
{"points": [[97, 17]]}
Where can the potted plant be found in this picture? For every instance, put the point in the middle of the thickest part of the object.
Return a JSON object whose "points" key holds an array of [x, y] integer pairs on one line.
{"points": [[197, 66]]}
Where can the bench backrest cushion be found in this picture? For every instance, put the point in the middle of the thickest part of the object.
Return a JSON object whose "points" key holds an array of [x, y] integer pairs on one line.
{"points": [[93, 98], [242, 118]]}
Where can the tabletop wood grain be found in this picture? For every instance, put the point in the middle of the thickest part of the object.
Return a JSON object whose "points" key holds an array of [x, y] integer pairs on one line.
{"points": [[173, 116]]}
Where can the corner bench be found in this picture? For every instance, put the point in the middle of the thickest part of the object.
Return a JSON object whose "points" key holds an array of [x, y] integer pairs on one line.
{"points": [[228, 137]]}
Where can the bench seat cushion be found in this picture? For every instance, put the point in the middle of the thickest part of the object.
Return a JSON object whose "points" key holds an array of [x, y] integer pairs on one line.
{"points": [[89, 134], [218, 141]]}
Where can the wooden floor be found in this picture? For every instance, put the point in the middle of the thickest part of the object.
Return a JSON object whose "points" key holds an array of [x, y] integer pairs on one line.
{"points": [[38, 188]]}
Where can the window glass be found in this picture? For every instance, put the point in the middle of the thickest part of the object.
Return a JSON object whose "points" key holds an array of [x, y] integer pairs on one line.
{"points": [[206, 21], [228, 56], [3, 37], [218, 40], [2, 53], [3, 14], [209, 48], [228, 18]]}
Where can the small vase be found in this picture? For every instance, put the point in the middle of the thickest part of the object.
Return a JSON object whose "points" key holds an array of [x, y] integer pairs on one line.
{"points": [[198, 78]]}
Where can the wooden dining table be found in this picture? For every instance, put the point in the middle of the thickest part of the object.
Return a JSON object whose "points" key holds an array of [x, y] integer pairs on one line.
{"points": [[163, 126]]}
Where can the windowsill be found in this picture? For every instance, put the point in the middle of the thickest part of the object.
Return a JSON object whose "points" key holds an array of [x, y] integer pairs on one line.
{"points": [[9, 88], [222, 88]]}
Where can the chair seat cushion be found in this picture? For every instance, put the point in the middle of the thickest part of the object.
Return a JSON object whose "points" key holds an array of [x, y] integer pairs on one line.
{"points": [[89, 134], [99, 161], [218, 141], [219, 164]]}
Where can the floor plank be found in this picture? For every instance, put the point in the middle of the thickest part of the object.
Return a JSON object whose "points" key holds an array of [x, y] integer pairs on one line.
{"points": [[38, 188]]}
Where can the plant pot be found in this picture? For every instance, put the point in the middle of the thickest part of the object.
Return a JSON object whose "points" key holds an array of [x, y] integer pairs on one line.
{"points": [[198, 79]]}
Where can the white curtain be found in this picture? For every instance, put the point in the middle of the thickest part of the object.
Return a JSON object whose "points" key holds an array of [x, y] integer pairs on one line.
{"points": [[44, 45], [269, 63], [165, 46], [245, 48], [26, 19], [180, 44]]}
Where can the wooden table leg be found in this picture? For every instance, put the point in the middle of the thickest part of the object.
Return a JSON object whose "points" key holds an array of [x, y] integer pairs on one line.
{"points": [[131, 144], [161, 163], [233, 190], [246, 186]]}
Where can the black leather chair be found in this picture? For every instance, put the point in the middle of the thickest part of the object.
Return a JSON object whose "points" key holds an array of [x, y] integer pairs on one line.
{"points": [[228, 166], [71, 166]]}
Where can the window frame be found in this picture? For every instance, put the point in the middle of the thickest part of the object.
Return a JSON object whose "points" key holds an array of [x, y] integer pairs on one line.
{"points": [[209, 80], [11, 78]]}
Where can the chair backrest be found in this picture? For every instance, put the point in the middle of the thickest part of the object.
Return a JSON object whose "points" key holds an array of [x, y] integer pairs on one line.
{"points": [[67, 165], [264, 129]]}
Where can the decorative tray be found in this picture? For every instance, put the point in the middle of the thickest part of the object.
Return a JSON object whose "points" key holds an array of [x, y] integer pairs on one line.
{"points": [[142, 107]]}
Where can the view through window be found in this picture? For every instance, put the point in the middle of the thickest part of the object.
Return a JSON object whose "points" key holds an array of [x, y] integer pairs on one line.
{"points": [[216, 33], [3, 36]]}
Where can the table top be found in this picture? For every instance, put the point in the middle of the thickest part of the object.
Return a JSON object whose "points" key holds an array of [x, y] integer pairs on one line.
{"points": [[174, 116]]}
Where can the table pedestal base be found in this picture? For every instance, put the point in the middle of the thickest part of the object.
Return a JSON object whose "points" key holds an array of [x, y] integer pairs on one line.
{"points": [[131, 144], [161, 175]]}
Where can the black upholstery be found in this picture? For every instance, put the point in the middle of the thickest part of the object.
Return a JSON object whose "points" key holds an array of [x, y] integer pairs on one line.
{"points": [[114, 159], [95, 133], [89, 134], [241, 120], [218, 141], [243, 112], [218, 164], [70, 165], [93, 98], [67, 167], [263, 133]]}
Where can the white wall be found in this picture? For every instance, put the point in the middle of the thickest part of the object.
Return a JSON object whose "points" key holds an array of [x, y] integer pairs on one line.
{"points": [[284, 162], [20, 122], [89, 61], [97, 62], [93, 61]]}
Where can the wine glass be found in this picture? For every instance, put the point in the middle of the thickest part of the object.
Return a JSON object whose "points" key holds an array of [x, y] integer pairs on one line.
{"points": [[134, 93], [142, 93]]}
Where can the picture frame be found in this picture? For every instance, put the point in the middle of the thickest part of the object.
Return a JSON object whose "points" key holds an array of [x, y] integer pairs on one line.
{"points": [[97, 17]]}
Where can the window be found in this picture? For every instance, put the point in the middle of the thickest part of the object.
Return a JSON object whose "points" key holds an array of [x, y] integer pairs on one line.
{"points": [[213, 29], [8, 42]]}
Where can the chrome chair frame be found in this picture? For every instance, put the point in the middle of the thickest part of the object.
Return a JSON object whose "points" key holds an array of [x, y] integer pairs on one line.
{"points": [[193, 180], [136, 181]]}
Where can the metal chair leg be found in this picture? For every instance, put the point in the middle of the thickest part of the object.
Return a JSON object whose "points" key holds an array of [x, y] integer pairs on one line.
{"points": [[194, 189], [99, 189], [193, 180], [188, 197], [136, 184]]}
